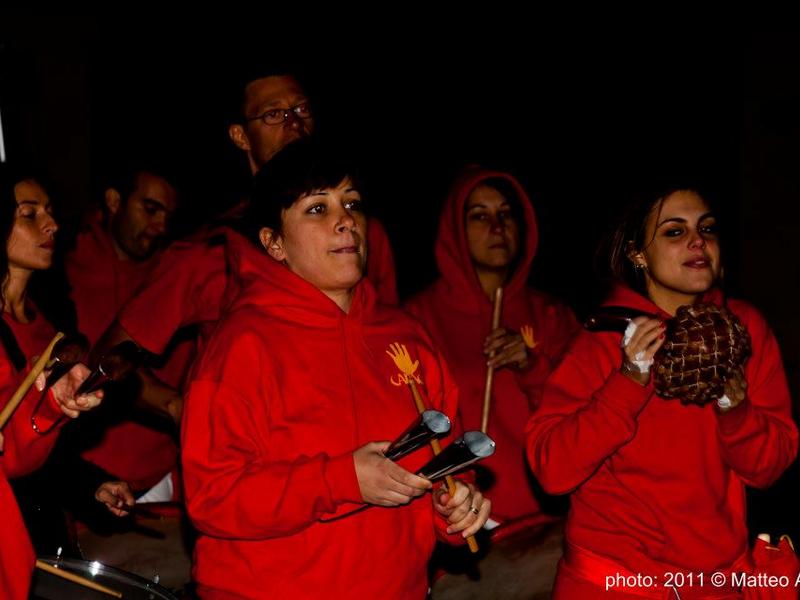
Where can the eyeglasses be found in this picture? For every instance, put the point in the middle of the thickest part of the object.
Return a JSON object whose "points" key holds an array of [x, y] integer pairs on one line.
{"points": [[278, 116]]}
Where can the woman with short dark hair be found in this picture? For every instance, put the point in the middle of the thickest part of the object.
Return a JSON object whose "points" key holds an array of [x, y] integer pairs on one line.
{"points": [[291, 405]]}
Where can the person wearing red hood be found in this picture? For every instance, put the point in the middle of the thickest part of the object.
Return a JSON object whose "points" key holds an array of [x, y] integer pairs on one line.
{"points": [[111, 259], [28, 229], [657, 486], [289, 408], [487, 238]]}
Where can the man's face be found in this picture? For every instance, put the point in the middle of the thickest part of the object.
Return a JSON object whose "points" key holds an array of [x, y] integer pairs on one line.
{"points": [[261, 141], [139, 222]]}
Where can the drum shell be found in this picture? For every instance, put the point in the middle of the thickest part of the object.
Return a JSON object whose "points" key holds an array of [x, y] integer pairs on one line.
{"points": [[46, 586], [157, 545]]}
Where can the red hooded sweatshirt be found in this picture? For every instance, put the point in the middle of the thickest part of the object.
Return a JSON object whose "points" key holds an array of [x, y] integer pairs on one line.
{"points": [[656, 485], [458, 315], [288, 387], [24, 451], [101, 283], [188, 285]]}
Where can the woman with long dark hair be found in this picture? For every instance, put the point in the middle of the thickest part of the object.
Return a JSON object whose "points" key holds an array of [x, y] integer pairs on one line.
{"points": [[657, 478], [29, 229]]}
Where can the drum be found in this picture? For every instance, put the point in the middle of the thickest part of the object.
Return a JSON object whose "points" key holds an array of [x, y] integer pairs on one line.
{"points": [[517, 560], [46, 586], [154, 544]]}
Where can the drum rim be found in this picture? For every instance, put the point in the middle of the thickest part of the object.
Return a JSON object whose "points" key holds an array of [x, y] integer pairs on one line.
{"points": [[104, 569]]}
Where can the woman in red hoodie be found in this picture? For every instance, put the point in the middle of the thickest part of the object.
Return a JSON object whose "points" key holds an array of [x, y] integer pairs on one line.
{"points": [[487, 238], [291, 403], [28, 227], [657, 486]]}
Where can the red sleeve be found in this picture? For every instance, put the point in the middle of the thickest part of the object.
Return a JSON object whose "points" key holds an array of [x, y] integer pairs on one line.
{"points": [[25, 450], [557, 327], [531, 381], [233, 490], [185, 288], [759, 437], [380, 264], [588, 411]]}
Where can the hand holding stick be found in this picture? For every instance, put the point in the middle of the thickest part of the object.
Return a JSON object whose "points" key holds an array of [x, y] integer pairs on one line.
{"points": [[26, 384], [401, 358]]}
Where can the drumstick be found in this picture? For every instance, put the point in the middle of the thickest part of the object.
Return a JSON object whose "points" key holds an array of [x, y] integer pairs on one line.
{"points": [[26, 384], [408, 368], [88, 583], [487, 390], [437, 449]]}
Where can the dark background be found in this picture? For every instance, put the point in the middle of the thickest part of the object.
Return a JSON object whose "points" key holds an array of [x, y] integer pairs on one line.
{"points": [[584, 119]]}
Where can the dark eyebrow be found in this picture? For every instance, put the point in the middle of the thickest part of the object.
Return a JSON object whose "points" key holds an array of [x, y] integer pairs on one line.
{"points": [[504, 204], [681, 220], [34, 203], [271, 105], [158, 203], [672, 220]]}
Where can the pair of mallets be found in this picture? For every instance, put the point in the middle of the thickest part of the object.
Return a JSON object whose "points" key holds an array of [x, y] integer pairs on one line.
{"points": [[400, 356]]}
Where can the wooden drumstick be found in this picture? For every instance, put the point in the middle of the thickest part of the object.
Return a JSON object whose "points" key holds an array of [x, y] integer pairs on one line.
{"points": [[437, 449], [26, 384], [88, 583], [487, 390], [407, 367]]}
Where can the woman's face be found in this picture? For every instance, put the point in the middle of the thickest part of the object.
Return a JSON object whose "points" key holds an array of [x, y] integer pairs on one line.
{"points": [[322, 238], [681, 257], [32, 239], [492, 231]]}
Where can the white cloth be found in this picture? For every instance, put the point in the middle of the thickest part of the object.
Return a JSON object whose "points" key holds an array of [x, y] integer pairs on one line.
{"points": [[638, 362], [160, 492]]}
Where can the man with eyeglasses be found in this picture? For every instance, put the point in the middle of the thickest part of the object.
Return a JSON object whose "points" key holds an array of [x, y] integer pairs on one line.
{"points": [[275, 112]]}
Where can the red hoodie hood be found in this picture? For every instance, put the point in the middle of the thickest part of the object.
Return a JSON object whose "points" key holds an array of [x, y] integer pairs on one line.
{"points": [[258, 280], [452, 252]]}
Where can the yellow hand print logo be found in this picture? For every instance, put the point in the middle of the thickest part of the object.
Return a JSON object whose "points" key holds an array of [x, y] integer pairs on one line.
{"points": [[527, 336], [403, 361]]}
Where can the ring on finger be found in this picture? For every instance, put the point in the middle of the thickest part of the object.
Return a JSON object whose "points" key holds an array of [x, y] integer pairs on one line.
{"points": [[474, 510]]}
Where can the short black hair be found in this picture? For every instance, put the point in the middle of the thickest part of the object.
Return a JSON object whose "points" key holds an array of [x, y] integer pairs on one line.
{"points": [[123, 174], [299, 168]]}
